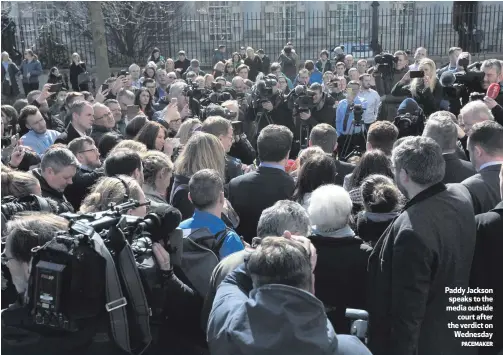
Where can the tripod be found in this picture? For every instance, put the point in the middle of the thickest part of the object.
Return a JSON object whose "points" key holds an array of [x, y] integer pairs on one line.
{"points": [[347, 143]]}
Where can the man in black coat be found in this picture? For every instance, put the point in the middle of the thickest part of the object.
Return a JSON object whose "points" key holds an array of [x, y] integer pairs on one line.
{"points": [[427, 249], [251, 193], [56, 172], [485, 145], [87, 173], [82, 119], [324, 136], [441, 128], [486, 263], [182, 63]]}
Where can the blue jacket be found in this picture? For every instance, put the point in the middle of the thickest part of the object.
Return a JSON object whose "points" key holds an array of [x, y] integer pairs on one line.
{"points": [[316, 77], [34, 68], [340, 114], [272, 319], [202, 219]]}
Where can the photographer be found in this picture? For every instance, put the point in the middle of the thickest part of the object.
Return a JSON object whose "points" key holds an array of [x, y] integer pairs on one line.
{"points": [[424, 89], [386, 76], [19, 334], [337, 89], [269, 107], [241, 148], [323, 110], [349, 122]]}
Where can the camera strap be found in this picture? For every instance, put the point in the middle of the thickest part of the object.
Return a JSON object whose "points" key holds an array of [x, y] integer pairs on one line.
{"points": [[116, 301], [346, 119]]}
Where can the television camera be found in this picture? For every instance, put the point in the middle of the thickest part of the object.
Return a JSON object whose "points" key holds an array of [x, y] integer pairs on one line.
{"points": [[264, 91], [70, 281], [385, 63], [462, 84]]}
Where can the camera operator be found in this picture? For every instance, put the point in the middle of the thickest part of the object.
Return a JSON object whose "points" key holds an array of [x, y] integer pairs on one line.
{"points": [[269, 106], [56, 172], [386, 76], [19, 334], [424, 89], [176, 307], [348, 125], [323, 110]]}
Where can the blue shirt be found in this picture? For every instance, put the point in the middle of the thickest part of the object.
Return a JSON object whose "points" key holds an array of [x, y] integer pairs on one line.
{"points": [[40, 142], [202, 219], [340, 114]]}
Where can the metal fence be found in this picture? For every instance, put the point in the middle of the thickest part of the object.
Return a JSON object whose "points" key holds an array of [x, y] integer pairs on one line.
{"points": [[363, 32]]}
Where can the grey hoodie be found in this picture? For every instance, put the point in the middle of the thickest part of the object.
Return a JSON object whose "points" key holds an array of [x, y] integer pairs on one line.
{"points": [[273, 320]]}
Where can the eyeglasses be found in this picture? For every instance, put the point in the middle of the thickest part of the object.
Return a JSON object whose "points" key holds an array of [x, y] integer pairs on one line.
{"points": [[93, 149], [176, 121]]}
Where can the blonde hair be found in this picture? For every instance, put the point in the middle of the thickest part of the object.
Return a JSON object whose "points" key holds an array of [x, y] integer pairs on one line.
{"points": [[6, 54], [153, 162], [202, 151], [18, 183], [110, 190], [130, 144], [433, 79], [187, 129]]}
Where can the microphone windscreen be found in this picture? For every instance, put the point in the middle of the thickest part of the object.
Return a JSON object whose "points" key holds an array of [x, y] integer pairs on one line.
{"points": [[170, 217], [493, 91], [447, 79]]}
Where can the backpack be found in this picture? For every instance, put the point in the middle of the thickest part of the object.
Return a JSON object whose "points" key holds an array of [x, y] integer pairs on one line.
{"points": [[201, 253]]}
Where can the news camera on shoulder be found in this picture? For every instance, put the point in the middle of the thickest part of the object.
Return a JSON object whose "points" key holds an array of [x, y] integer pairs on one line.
{"points": [[97, 270]]}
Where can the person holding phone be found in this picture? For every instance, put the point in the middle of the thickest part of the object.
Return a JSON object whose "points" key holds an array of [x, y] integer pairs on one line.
{"points": [[424, 88], [30, 71]]}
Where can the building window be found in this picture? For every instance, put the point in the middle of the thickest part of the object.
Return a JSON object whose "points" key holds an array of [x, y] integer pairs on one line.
{"points": [[220, 24], [284, 19], [402, 17], [344, 20]]}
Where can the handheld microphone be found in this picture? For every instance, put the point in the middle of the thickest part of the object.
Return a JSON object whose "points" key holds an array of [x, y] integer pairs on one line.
{"points": [[493, 91]]}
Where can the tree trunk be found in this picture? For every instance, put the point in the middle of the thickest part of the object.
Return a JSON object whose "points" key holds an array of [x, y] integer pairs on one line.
{"points": [[99, 41]]}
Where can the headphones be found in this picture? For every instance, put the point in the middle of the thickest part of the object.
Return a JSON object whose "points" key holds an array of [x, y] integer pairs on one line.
{"points": [[126, 187]]}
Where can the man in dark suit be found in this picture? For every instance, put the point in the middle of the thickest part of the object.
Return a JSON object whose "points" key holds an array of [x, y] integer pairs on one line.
{"points": [[428, 248], [441, 128], [87, 173], [486, 261], [82, 114], [325, 136], [485, 145], [251, 193]]}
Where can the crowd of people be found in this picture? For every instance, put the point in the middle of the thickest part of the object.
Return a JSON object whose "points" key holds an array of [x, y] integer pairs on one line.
{"points": [[315, 208]]}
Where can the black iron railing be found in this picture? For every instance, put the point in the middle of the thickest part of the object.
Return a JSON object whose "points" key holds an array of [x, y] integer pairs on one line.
{"points": [[363, 32]]}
